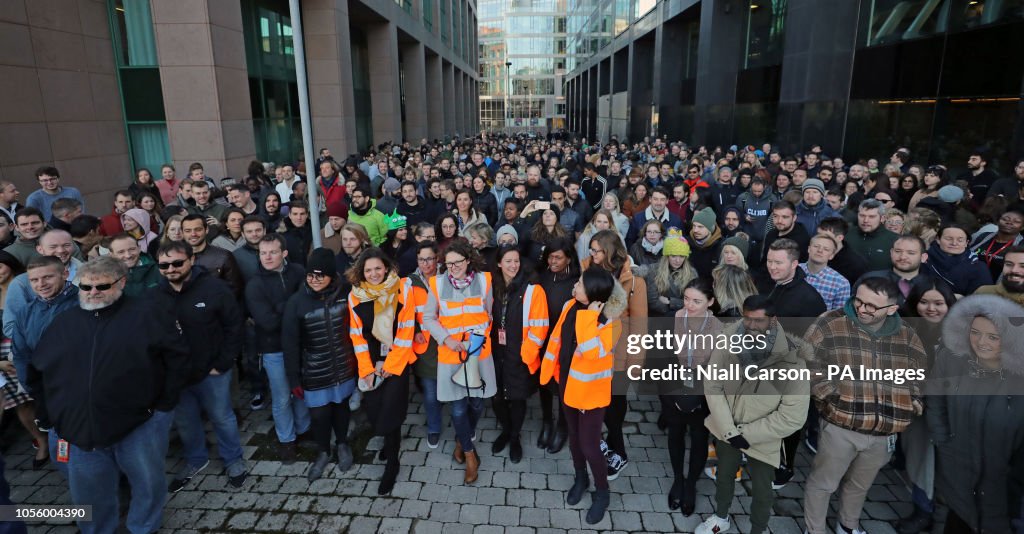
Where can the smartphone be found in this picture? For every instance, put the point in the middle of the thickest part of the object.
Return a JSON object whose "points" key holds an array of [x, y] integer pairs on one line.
{"points": [[543, 204]]}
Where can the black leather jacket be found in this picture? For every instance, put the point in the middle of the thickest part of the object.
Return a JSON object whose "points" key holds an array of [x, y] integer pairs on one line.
{"points": [[315, 338]]}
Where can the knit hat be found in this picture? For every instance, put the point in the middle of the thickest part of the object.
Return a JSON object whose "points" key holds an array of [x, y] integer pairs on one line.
{"points": [[951, 194], [706, 218], [814, 183], [675, 243], [391, 185], [396, 221], [739, 242], [337, 209], [321, 261], [506, 229]]}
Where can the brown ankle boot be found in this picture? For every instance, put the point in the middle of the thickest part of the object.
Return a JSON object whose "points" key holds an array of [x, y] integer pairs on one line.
{"points": [[459, 456], [472, 464]]}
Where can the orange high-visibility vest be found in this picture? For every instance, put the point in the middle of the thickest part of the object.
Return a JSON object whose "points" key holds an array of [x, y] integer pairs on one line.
{"points": [[416, 296], [460, 318], [400, 353], [589, 384], [535, 325]]}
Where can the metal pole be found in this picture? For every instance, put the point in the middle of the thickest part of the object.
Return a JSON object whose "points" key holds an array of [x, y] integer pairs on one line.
{"points": [[307, 123]]}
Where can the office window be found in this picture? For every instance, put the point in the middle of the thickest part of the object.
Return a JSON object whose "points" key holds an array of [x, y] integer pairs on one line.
{"points": [[764, 33]]}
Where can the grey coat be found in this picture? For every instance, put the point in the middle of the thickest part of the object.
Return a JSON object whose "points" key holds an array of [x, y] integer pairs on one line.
{"points": [[977, 420]]}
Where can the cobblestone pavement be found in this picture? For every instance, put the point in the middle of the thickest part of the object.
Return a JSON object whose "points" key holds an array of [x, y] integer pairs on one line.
{"points": [[430, 497]]}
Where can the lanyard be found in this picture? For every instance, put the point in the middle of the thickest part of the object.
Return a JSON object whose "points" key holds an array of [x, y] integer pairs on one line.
{"points": [[689, 346], [989, 255]]}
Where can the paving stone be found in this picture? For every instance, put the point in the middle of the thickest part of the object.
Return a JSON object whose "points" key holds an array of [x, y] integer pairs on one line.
{"points": [[488, 529], [566, 519], [385, 507], [427, 527], [334, 523], [534, 480], [522, 498], [783, 525], [505, 515], [415, 509], [395, 525], [474, 514], [658, 522], [425, 474], [535, 517], [445, 512], [302, 523], [360, 525], [327, 504], [273, 521], [504, 479], [462, 495], [628, 521], [212, 520], [550, 499]]}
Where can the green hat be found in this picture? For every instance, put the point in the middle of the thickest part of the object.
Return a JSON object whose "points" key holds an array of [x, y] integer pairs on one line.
{"points": [[396, 221], [706, 218], [739, 242]]}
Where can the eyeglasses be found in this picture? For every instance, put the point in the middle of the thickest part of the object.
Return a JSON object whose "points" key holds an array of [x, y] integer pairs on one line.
{"points": [[451, 264], [99, 287], [317, 277], [431, 259], [48, 179], [653, 232], [883, 199], [164, 265], [868, 307], [594, 251]]}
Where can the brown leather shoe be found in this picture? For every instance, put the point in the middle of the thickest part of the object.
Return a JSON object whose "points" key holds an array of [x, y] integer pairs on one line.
{"points": [[472, 464], [459, 456]]}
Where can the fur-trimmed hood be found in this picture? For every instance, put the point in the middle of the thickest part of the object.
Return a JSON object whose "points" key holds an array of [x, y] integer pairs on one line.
{"points": [[1008, 317], [617, 303]]}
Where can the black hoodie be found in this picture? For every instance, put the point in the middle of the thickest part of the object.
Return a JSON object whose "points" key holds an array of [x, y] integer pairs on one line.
{"points": [[265, 298]]}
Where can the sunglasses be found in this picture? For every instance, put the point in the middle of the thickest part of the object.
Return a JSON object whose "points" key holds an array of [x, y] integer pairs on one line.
{"points": [[100, 287], [164, 265]]}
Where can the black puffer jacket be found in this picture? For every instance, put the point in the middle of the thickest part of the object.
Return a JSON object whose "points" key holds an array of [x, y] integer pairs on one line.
{"points": [[487, 204], [315, 337], [209, 317], [265, 297]]}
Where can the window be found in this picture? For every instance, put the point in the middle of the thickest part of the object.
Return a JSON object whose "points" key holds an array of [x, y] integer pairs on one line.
{"points": [[765, 25], [428, 15], [273, 91]]}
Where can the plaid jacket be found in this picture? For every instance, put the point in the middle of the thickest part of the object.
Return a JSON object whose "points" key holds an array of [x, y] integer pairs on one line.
{"points": [[875, 407]]}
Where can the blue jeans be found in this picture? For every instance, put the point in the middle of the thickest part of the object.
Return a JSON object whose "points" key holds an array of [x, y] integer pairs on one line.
{"points": [[291, 416], [94, 477], [52, 438], [429, 388], [465, 413], [213, 396]]}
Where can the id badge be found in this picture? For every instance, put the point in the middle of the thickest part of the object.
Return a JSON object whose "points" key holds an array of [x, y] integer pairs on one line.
{"points": [[384, 350], [63, 451], [688, 383], [501, 336], [890, 444]]}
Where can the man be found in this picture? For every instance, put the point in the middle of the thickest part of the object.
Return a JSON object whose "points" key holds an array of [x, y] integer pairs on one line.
{"points": [[812, 209], [1008, 187], [298, 232], [51, 292], [799, 178], [845, 262], [49, 191], [990, 247], [85, 231], [658, 210], [141, 378], [859, 417], [325, 155], [871, 240], [56, 243], [240, 197], [756, 206], [363, 213], [288, 179], [907, 255], [979, 177], [210, 211], [247, 256], [788, 289], [1011, 284], [265, 297], [217, 261], [168, 184], [64, 210], [569, 219], [330, 236], [9, 198], [576, 202], [110, 224], [751, 417], [388, 201], [142, 273], [211, 321], [422, 233], [593, 186], [536, 187], [354, 241], [500, 189], [724, 192], [784, 220], [833, 288], [412, 206], [30, 224]]}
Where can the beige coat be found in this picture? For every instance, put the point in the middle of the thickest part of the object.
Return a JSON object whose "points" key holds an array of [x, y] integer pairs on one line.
{"points": [[764, 412]]}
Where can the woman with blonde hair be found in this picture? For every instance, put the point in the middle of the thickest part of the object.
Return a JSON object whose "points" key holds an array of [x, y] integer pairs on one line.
{"points": [[732, 286], [923, 223], [667, 278], [734, 252], [603, 220], [610, 202], [172, 230]]}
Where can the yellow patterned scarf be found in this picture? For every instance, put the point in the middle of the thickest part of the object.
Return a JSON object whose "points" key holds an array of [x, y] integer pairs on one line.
{"points": [[384, 296]]}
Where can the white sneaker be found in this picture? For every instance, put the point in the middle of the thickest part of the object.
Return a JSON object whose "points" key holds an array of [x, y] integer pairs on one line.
{"points": [[840, 529], [713, 525]]}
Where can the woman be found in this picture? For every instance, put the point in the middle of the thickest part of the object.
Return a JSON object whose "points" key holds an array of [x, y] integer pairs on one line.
{"points": [[667, 278], [464, 211], [635, 200], [705, 241], [610, 202], [397, 240], [927, 306], [144, 184], [934, 179], [382, 335], [481, 237], [647, 249], [136, 224], [581, 345], [908, 188], [151, 203], [976, 414], [319, 358], [733, 285], [457, 313], [734, 252], [608, 253], [270, 209], [544, 230], [172, 230], [560, 269], [923, 223], [603, 220], [447, 230], [520, 327], [949, 259], [895, 221], [483, 201], [14, 394], [231, 238], [683, 407]]}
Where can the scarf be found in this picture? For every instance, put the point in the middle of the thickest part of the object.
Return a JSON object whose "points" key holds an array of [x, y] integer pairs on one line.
{"points": [[462, 284], [653, 249], [384, 296]]}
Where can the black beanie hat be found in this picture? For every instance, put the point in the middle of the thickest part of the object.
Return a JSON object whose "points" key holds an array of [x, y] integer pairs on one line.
{"points": [[321, 261]]}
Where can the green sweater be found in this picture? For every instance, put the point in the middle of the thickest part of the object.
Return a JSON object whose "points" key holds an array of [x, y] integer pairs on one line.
{"points": [[373, 220]]}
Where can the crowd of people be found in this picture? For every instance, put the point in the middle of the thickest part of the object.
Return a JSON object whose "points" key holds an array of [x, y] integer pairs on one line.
{"points": [[508, 268]]}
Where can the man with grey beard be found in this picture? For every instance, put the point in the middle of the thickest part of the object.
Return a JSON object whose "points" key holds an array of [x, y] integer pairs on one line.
{"points": [[83, 366]]}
